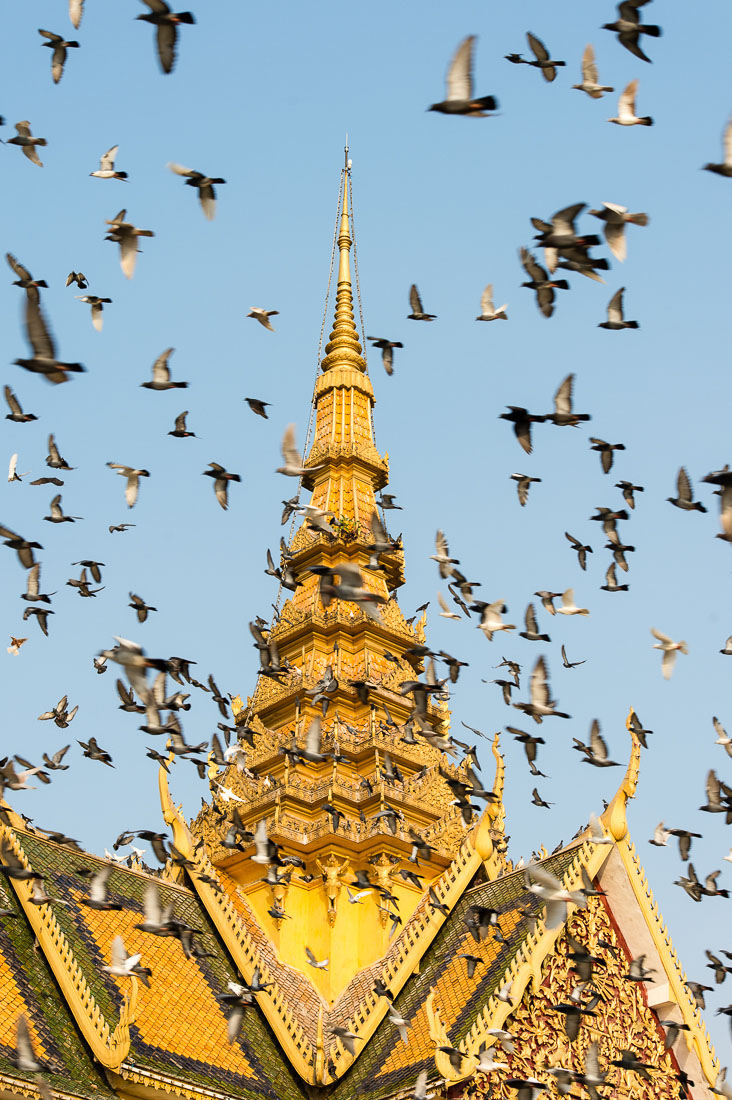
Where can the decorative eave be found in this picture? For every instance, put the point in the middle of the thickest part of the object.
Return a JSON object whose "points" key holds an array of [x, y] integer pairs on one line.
{"points": [[323, 1061], [110, 1046]]}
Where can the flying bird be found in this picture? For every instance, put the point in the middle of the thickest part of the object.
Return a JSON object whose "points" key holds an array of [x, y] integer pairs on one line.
{"points": [[222, 477], [685, 499], [616, 218], [629, 28], [140, 607], [16, 413], [258, 407], [131, 489], [488, 311], [97, 306], [569, 607], [543, 60], [626, 108], [166, 35], [615, 318], [581, 548], [76, 11], [415, 303], [106, 169], [57, 514], [606, 451], [589, 83], [540, 282], [725, 168], [204, 184], [161, 374], [79, 278], [263, 316], [523, 481], [670, 650], [564, 415], [180, 431], [39, 337], [522, 420], [27, 142], [387, 351], [459, 97], [293, 466], [59, 46], [628, 490], [125, 234]]}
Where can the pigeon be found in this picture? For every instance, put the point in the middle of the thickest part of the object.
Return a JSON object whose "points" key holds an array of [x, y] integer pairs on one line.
{"points": [[626, 108], [180, 431], [33, 593], [161, 374], [532, 629], [615, 319], [629, 29], [567, 663], [204, 184], [166, 35], [459, 99], [611, 580], [522, 420], [125, 234], [540, 282], [589, 83], [607, 452], [569, 607], [523, 481], [139, 605], [16, 413], [222, 477], [97, 306], [77, 277], [488, 311], [628, 490], [582, 550], [725, 168], [616, 218], [387, 351], [563, 415], [541, 705], [131, 489], [94, 752], [27, 142], [124, 965], [596, 752], [106, 169], [293, 466], [263, 316], [43, 346], [57, 514], [543, 60], [59, 46], [76, 11], [685, 499], [670, 650], [415, 302], [258, 407]]}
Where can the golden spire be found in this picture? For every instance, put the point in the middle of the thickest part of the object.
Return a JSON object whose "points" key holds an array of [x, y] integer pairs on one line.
{"points": [[343, 348]]}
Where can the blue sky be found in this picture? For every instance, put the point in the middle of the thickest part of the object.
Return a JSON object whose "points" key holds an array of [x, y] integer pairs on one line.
{"points": [[443, 202]]}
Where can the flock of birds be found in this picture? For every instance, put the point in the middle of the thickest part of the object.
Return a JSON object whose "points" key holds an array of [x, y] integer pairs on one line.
{"points": [[143, 687]]}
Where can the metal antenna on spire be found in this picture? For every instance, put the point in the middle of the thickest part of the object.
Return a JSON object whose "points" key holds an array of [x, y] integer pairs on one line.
{"points": [[345, 155]]}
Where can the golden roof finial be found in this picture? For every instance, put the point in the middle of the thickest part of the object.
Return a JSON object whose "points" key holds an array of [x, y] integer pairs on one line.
{"points": [[343, 349], [615, 815]]}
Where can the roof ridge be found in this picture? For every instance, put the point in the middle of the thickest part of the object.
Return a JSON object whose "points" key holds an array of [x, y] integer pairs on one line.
{"points": [[110, 1046]]}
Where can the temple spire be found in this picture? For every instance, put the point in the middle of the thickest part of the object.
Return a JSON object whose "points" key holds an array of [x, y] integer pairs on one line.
{"points": [[343, 348]]}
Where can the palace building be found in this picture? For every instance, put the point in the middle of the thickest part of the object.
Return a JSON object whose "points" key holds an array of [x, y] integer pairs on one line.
{"points": [[369, 863]]}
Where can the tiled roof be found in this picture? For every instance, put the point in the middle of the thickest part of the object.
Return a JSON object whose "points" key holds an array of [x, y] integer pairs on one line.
{"points": [[180, 1026], [388, 1065], [27, 988]]}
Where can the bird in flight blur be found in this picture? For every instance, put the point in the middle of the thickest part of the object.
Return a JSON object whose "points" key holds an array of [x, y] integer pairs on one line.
{"points": [[132, 487], [540, 282], [166, 36], [459, 97], [607, 452], [615, 318], [180, 431], [293, 466], [626, 108], [522, 421], [44, 359], [59, 46], [415, 302], [589, 83], [670, 651], [125, 234], [106, 169], [263, 316], [16, 413], [629, 28], [204, 184], [76, 11], [685, 499], [221, 477], [97, 306], [564, 415], [543, 60], [616, 218], [27, 142], [161, 374], [725, 168], [387, 351], [523, 481], [488, 311]]}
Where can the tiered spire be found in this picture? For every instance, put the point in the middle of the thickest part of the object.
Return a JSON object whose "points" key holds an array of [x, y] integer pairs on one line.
{"points": [[380, 785]]}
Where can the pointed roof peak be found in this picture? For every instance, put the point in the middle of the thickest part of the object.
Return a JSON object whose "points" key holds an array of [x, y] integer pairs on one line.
{"points": [[343, 348]]}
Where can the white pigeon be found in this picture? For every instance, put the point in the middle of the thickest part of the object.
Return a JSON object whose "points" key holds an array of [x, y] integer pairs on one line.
{"points": [[569, 607], [670, 650], [106, 170], [626, 108], [488, 311]]}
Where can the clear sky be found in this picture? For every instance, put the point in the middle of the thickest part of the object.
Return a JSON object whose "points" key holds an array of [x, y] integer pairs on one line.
{"points": [[263, 99]]}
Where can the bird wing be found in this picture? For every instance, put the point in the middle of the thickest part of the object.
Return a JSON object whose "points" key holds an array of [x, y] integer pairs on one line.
{"points": [[597, 741], [615, 237], [615, 306], [180, 170], [530, 619], [12, 400], [151, 903], [12, 466], [589, 68], [289, 447], [180, 421], [568, 598], [486, 301], [119, 952], [522, 488], [563, 396], [459, 81], [161, 370], [611, 579], [33, 580], [667, 662], [166, 39], [128, 254], [106, 161], [531, 267], [727, 144], [683, 485], [22, 272], [563, 220], [414, 299], [537, 47], [131, 488], [626, 103], [661, 637], [312, 738], [98, 884], [39, 336], [76, 10], [539, 683]]}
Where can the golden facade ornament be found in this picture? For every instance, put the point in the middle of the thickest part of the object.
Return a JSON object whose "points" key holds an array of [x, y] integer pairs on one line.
{"points": [[332, 871], [439, 1036]]}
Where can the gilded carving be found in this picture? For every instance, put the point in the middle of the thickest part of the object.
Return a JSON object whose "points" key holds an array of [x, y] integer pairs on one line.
{"points": [[332, 871]]}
